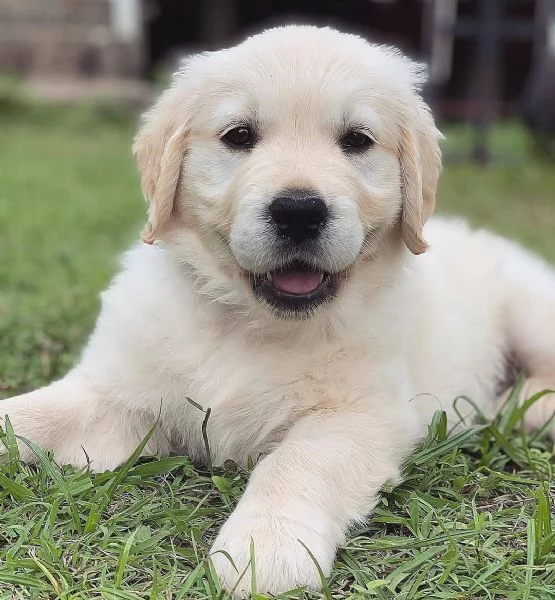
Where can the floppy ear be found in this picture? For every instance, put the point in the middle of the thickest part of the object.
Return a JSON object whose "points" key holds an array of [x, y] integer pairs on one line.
{"points": [[420, 159], [159, 148]]}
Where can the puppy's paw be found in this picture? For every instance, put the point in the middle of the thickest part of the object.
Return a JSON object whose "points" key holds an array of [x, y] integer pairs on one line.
{"points": [[281, 561]]}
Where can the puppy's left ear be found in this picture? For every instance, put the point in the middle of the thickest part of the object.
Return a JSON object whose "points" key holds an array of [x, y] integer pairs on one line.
{"points": [[420, 160], [159, 148]]}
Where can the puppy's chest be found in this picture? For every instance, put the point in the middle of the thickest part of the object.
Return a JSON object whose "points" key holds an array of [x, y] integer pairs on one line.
{"points": [[256, 394], [247, 374]]}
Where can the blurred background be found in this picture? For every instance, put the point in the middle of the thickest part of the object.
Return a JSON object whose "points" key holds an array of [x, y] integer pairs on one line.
{"points": [[489, 59], [75, 74]]}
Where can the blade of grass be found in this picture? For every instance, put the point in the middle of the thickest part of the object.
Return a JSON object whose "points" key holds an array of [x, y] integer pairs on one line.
{"points": [[160, 467], [56, 475], [8, 438], [96, 512], [323, 579], [17, 491], [122, 561]]}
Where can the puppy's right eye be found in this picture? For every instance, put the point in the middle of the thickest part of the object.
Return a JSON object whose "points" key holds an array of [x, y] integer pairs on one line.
{"points": [[241, 138]]}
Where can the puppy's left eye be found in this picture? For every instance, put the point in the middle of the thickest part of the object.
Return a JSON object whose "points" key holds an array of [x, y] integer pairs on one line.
{"points": [[355, 141], [241, 138]]}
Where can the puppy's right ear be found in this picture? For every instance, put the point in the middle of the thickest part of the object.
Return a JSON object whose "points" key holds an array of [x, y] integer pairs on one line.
{"points": [[159, 148]]}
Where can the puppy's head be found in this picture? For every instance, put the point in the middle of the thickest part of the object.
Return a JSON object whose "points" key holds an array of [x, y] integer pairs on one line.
{"points": [[290, 160]]}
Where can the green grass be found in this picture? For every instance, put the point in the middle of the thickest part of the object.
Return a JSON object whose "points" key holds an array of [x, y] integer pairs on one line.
{"points": [[473, 520]]}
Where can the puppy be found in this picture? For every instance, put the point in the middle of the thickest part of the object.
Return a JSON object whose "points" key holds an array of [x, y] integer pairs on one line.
{"points": [[284, 285]]}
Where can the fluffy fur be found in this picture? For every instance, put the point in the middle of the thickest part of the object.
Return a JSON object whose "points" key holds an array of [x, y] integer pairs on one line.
{"points": [[333, 399]]}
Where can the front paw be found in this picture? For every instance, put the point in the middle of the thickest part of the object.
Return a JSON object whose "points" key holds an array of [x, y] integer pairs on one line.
{"points": [[281, 561]]}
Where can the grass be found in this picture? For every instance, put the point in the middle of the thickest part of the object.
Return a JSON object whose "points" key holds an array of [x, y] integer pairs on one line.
{"points": [[473, 520]]}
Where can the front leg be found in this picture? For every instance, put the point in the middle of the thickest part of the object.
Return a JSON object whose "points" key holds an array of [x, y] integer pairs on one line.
{"points": [[79, 424], [324, 476]]}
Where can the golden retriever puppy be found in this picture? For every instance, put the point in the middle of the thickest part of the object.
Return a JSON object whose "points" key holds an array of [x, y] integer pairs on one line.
{"points": [[285, 285]]}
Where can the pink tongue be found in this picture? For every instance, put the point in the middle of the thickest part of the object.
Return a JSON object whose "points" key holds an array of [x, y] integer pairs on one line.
{"points": [[297, 282]]}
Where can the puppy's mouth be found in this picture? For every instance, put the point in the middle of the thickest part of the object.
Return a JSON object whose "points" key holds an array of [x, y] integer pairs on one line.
{"points": [[295, 289]]}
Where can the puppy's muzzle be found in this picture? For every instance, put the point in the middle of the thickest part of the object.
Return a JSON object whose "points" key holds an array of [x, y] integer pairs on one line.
{"points": [[299, 216]]}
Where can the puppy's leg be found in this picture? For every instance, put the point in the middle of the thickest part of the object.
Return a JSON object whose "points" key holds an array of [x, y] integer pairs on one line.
{"points": [[76, 423], [530, 319], [325, 475]]}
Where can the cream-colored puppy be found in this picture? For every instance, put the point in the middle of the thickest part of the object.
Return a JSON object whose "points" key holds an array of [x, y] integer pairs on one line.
{"points": [[289, 179]]}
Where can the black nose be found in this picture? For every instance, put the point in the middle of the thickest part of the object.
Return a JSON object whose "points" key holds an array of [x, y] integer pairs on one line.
{"points": [[299, 216]]}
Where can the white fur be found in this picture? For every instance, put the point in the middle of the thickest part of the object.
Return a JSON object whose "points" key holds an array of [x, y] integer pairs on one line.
{"points": [[334, 402]]}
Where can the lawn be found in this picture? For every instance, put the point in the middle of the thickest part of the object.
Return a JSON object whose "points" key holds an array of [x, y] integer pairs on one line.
{"points": [[473, 520]]}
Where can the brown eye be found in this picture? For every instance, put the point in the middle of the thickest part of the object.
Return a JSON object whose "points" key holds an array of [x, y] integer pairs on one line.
{"points": [[239, 137], [355, 141]]}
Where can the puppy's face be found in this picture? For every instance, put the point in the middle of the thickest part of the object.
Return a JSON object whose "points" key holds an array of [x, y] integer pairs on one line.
{"points": [[291, 158]]}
